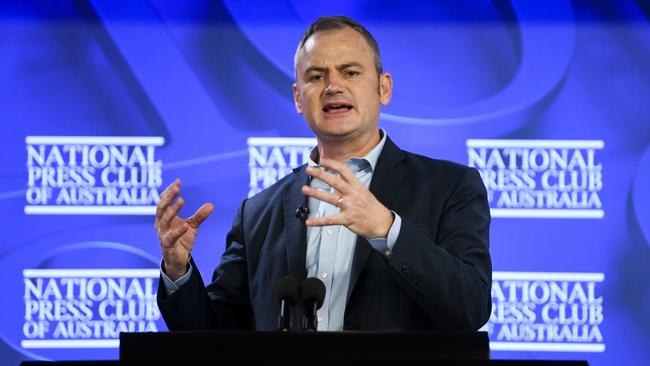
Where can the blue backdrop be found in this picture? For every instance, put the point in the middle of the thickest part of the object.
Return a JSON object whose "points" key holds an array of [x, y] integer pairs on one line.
{"points": [[566, 84]]}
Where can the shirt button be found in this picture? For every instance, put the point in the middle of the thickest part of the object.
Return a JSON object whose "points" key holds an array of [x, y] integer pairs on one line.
{"points": [[324, 275], [329, 232], [320, 319]]}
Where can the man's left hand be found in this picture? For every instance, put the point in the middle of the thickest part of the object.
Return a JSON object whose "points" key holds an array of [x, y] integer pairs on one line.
{"points": [[361, 212]]}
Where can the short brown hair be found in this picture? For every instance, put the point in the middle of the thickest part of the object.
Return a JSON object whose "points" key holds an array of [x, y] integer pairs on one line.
{"points": [[338, 22]]}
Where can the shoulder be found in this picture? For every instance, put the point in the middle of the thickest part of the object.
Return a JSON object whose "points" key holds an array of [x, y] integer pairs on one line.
{"points": [[439, 169], [425, 162], [394, 155], [442, 181]]}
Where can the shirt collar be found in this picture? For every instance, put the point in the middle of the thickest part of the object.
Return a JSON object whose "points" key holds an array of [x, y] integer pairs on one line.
{"points": [[356, 163]]}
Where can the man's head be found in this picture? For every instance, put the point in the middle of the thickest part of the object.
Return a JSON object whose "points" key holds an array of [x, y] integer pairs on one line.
{"points": [[338, 22], [340, 86]]}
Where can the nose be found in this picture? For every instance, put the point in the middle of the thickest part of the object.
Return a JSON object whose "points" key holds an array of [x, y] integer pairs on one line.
{"points": [[333, 85]]}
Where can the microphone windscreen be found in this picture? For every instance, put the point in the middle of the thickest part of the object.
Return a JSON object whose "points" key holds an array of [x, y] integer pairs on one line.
{"points": [[312, 289], [287, 288]]}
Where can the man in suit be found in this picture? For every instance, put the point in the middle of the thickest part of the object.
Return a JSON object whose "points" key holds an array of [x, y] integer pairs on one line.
{"points": [[400, 240]]}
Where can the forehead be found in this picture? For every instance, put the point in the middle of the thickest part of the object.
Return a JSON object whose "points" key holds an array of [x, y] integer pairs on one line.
{"points": [[333, 47]]}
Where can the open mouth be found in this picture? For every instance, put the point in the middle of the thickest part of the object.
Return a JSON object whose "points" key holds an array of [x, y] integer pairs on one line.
{"points": [[336, 108]]}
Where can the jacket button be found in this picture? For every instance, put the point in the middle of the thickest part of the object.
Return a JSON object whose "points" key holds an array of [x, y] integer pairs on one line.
{"points": [[405, 268]]}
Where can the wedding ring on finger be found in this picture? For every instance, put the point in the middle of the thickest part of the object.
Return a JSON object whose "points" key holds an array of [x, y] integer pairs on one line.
{"points": [[338, 203]]}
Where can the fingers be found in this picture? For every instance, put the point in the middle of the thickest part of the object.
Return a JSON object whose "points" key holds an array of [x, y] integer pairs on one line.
{"points": [[173, 234], [338, 219], [328, 197], [172, 228], [176, 182], [344, 172], [200, 215], [339, 184], [170, 213], [166, 197]]}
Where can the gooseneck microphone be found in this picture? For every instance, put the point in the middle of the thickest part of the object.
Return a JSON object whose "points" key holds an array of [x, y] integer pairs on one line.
{"points": [[286, 293], [312, 295]]}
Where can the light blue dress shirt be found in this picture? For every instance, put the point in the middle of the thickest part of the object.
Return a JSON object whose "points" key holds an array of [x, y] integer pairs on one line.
{"points": [[330, 249]]}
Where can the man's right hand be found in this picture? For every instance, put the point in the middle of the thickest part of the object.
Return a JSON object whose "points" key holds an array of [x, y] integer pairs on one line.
{"points": [[177, 235]]}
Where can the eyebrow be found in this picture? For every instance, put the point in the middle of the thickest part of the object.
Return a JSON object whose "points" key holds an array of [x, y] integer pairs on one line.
{"points": [[339, 67]]}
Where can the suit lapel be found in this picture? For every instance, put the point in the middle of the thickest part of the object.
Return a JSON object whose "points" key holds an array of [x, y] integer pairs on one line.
{"points": [[384, 185], [296, 232]]}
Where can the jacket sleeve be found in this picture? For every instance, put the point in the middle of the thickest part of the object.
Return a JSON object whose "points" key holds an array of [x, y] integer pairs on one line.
{"points": [[222, 305], [450, 274]]}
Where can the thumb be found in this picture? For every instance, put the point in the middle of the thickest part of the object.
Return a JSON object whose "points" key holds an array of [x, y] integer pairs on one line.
{"points": [[200, 215]]}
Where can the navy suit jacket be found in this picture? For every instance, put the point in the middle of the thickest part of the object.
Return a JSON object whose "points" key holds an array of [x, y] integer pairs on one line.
{"points": [[437, 277]]}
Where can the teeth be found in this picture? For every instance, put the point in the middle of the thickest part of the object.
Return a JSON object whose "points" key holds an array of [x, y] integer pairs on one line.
{"points": [[335, 106]]}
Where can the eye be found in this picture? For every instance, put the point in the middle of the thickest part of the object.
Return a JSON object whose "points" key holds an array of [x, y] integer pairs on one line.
{"points": [[316, 77], [351, 73]]}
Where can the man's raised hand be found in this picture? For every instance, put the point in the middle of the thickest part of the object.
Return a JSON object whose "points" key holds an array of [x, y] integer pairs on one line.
{"points": [[177, 235], [360, 211]]}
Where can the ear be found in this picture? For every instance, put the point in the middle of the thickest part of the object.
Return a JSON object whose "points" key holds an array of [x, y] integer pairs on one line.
{"points": [[385, 88], [297, 99]]}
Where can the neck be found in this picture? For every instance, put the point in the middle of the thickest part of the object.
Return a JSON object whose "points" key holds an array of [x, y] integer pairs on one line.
{"points": [[342, 150]]}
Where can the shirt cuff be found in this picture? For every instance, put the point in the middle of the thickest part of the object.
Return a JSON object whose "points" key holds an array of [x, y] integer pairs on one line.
{"points": [[385, 245], [172, 286]]}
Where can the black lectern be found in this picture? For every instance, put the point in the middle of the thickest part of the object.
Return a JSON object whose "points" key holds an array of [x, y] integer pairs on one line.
{"points": [[317, 346]]}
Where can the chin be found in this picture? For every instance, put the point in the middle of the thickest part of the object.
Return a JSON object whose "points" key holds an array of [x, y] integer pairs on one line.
{"points": [[336, 128], [337, 131]]}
